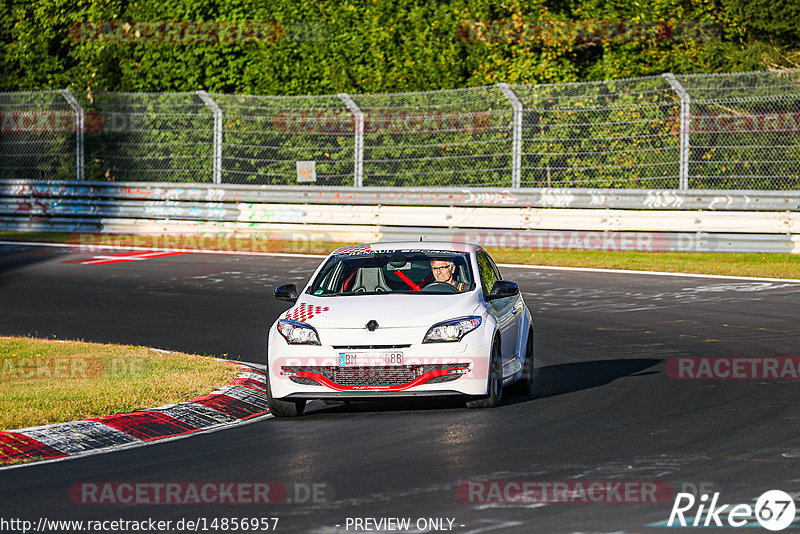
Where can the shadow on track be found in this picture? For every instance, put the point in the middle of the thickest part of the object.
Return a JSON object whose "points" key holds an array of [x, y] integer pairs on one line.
{"points": [[560, 379], [16, 257]]}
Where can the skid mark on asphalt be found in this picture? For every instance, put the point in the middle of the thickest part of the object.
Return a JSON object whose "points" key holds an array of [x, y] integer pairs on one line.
{"points": [[734, 333], [206, 273], [746, 458], [673, 337], [138, 255], [656, 467], [245, 275], [652, 467]]}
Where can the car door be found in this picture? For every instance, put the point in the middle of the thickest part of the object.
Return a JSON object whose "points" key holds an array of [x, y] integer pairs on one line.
{"points": [[505, 310]]}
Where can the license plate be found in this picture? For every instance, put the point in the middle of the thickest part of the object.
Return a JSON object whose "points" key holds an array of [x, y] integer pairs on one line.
{"points": [[370, 359]]}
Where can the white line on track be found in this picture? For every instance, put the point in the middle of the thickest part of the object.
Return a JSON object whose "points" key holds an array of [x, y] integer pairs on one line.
{"points": [[653, 273], [95, 248], [510, 265]]}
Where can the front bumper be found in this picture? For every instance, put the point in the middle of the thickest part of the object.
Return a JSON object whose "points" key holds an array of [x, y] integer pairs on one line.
{"points": [[434, 369]]}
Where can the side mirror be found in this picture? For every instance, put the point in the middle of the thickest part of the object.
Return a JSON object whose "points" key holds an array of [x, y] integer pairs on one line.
{"points": [[286, 292], [503, 289]]}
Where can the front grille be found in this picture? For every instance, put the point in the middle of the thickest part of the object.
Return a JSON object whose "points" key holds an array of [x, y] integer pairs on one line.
{"points": [[372, 375], [303, 380], [443, 378]]}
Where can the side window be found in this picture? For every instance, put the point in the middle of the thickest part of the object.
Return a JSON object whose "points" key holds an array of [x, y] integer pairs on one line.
{"points": [[487, 271], [494, 268]]}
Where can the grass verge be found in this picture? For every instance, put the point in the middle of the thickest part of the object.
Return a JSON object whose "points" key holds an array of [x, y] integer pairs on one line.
{"points": [[47, 381], [728, 264]]}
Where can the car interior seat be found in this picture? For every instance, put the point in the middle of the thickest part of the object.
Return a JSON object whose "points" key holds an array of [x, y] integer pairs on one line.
{"points": [[369, 280], [459, 273]]}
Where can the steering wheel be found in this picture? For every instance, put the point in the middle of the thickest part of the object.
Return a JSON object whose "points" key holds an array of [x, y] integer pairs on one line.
{"points": [[438, 286]]}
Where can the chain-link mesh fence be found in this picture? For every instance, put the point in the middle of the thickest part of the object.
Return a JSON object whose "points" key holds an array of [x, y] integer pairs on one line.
{"points": [[744, 130], [148, 137], [264, 137], [458, 137], [733, 131], [37, 136], [621, 133]]}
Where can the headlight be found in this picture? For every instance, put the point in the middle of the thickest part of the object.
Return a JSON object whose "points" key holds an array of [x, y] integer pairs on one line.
{"points": [[297, 333], [452, 330]]}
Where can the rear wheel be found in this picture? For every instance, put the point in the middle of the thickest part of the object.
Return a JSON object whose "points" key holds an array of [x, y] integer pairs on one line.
{"points": [[495, 384], [282, 408]]}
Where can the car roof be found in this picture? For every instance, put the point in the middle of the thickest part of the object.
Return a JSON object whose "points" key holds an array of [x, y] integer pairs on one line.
{"points": [[409, 245]]}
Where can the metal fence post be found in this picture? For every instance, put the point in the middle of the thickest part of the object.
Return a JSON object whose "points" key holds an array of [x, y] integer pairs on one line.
{"points": [[516, 147], [358, 171], [79, 130], [683, 181], [215, 109]]}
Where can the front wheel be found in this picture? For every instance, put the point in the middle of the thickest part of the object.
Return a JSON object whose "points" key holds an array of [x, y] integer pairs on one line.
{"points": [[495, 384], [524, 386], [282, 408]]}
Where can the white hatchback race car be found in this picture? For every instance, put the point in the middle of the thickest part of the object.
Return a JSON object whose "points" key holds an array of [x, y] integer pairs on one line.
{"points": [[400, 320]]}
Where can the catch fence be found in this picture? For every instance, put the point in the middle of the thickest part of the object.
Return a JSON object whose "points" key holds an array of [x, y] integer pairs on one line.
{"points": [[729, 131]]}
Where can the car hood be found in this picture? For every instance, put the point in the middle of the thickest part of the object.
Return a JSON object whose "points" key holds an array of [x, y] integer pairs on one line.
{"points": [[389, 311]]}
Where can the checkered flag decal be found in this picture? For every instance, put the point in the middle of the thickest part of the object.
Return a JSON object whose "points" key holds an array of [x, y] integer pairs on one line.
{"points": [[304, 312], [355, 249]]}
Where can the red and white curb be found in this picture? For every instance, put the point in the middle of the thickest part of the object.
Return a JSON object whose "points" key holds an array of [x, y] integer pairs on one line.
{"points": [[242, 399]]}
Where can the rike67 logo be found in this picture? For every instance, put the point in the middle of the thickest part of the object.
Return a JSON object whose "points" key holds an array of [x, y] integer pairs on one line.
{"points": [[774, 510]]}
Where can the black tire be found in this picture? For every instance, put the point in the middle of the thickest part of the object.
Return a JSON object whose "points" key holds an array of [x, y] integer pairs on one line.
{"points": [[524, 386], [282, 408], [495, 385]]}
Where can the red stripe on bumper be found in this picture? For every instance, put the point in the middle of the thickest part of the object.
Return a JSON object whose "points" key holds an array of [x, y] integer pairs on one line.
{"points": [[393, 387]]}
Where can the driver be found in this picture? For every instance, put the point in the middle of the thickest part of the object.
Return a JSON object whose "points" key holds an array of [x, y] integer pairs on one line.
{"points": [[444, 271]]}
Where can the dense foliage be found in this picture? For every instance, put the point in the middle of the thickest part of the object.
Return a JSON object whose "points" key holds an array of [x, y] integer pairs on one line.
{"points": [[291, 47], [623, 133]]}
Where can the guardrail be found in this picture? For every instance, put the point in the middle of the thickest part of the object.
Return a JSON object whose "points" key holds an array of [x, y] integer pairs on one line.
{"points": [[638, 199], [737, 221]]}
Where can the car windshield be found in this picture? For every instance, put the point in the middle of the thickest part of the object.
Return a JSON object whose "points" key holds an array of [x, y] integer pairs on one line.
{"points": [[394, 271]]}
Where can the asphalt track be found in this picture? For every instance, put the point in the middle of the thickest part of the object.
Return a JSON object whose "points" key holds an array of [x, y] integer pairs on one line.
{"points": [[605, 409]]}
